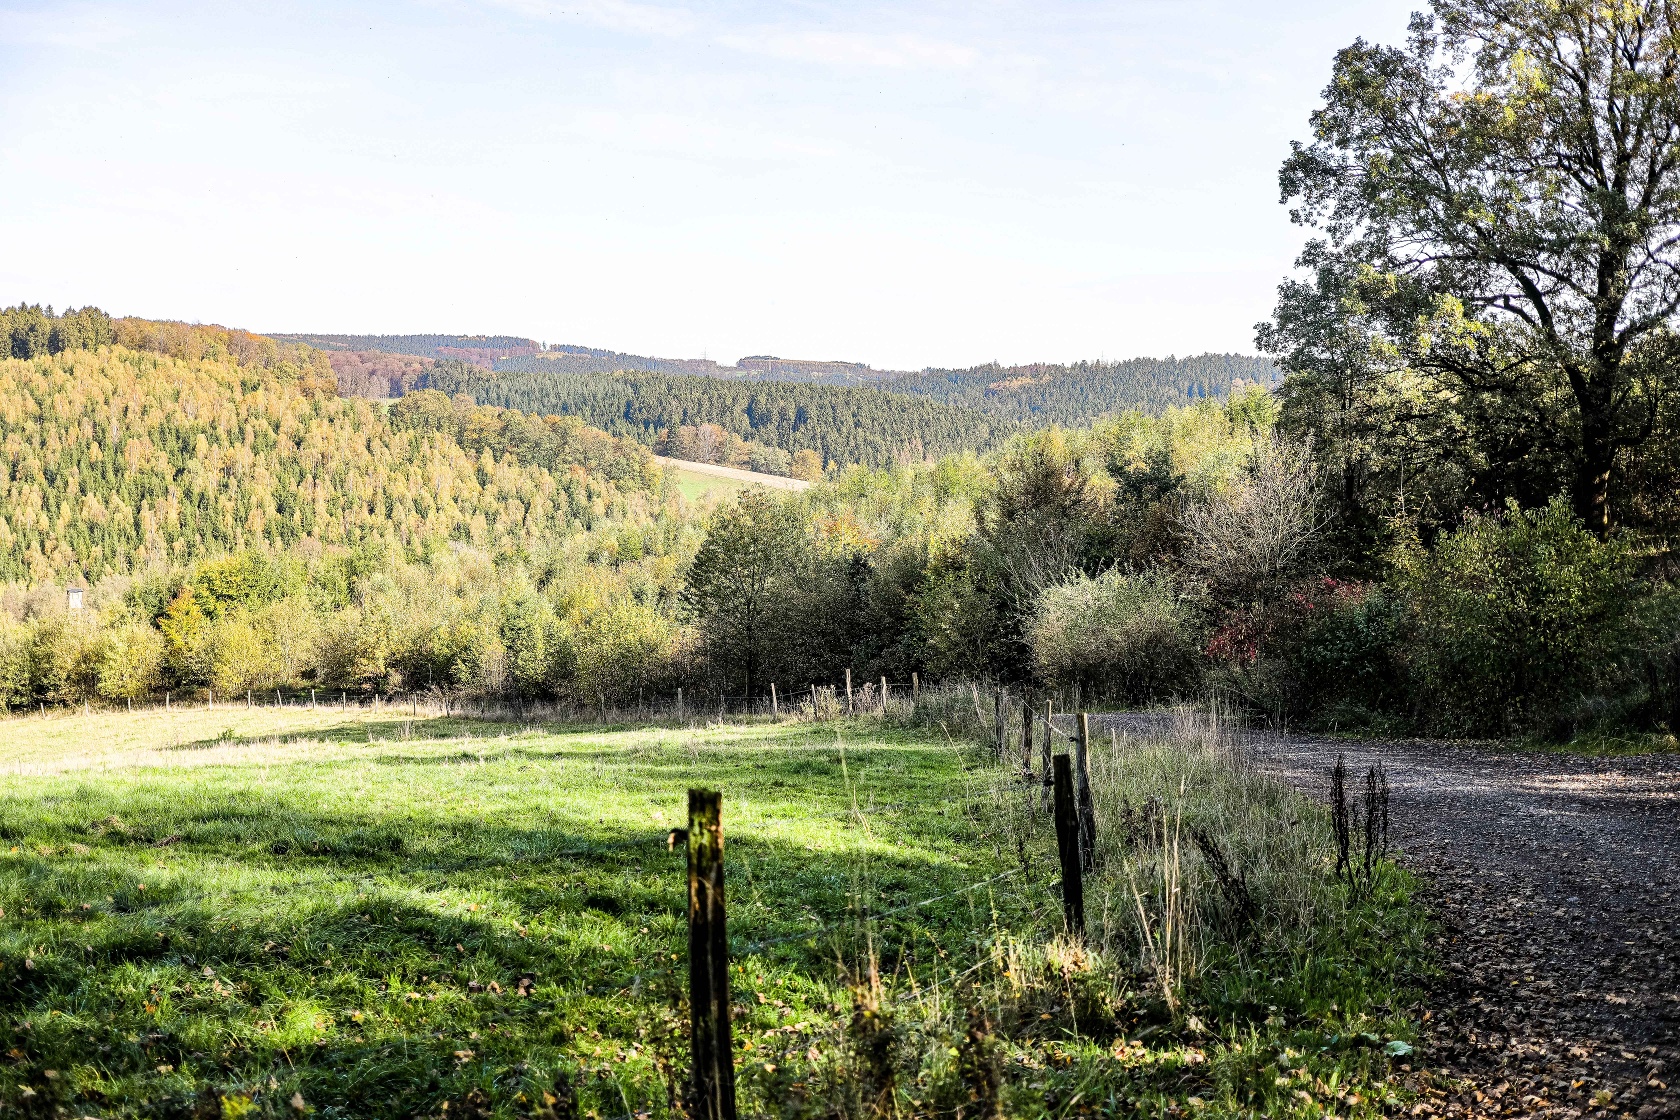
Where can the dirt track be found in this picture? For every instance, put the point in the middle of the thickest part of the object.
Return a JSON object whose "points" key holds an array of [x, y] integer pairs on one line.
{"points": [[1555, 881]]}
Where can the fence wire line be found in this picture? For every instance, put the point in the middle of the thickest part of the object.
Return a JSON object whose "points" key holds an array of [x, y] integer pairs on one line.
{"points": [[818, 931]]}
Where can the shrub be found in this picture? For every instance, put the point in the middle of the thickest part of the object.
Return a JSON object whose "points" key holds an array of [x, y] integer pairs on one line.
{"points": [[16, 690], [351, 651], [64, 658], [1348, 658], [1327, 650], [1123, 634], [1249, 539], [131, 663], [1514, 620], [239, 658], [623, 648]]}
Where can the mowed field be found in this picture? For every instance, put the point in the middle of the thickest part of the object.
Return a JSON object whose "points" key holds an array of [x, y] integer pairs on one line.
{"points": [[367, 914], [702, 480]]}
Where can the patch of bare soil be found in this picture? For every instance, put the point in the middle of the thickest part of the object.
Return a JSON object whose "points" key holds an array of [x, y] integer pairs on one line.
{"points": [[1555, 883]]}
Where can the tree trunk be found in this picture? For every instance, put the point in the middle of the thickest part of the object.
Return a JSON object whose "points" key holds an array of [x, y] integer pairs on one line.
{"points": [[1591, 490]]}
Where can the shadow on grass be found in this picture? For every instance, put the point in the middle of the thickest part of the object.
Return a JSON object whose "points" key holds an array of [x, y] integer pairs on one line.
{"points": [[374, 970]]}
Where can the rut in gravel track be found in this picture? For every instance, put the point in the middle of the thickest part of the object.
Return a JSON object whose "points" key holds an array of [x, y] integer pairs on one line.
{"points": [[1555, 883]]}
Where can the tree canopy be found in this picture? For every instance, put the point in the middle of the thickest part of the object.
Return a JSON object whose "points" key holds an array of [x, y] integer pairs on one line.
{"points": [[1490, 309]]}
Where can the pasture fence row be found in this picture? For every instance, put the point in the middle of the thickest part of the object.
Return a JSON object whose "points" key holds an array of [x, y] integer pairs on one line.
{"points": [[711, 1088]]}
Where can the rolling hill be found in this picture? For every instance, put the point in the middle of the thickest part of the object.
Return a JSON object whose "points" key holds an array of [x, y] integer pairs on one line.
{"points": [[163, 447]]}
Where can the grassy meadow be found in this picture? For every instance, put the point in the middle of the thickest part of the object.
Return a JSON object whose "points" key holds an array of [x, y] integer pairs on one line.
{"points": [[351, 913], [696, 486]]}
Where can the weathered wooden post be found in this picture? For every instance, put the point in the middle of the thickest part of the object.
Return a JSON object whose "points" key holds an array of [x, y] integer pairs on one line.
{"points": [[712, 1088], [916, 687], [997, 721], [679, 704], [1082, 784], [1027, 718], [775, 709], [883, 695], [848, 691], [1049, 734], [1067, 847]]}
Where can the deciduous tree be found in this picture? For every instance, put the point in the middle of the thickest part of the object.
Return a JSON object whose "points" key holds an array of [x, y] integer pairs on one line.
{"points": [[1500, 200]]}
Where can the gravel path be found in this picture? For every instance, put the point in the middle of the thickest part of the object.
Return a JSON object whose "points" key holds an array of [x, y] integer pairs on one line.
{"points": [[1555, 882]]}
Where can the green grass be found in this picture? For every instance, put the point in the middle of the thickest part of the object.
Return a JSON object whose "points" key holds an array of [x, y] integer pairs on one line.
{"points": [[224, 898], [222, 909], [1605, 744], [696, 486]]}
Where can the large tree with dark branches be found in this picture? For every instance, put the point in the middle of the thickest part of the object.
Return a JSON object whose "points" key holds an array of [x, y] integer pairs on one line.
{"points": [[1499, 269]]}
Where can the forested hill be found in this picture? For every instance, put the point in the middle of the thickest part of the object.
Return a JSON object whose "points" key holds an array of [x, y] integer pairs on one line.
{"points": [[757, 367], [479, 349], [840, 424], [1041, 394], [113, 458]]}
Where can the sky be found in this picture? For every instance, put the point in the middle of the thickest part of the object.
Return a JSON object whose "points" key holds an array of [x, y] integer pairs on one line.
{"points": [[908, 185]]}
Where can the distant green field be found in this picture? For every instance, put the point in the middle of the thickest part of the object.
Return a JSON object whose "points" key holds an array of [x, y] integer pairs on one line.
{"points": [[696, 486]]}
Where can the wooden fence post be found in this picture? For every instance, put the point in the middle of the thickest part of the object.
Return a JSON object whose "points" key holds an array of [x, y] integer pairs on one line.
{"points": [[848, 692], [916, 686], [1049, 735], [1082, 784], [1027, 718], [679, 704], [997, 720], [1067, 847], [883, 694], [712, 1088], [775, 709]]}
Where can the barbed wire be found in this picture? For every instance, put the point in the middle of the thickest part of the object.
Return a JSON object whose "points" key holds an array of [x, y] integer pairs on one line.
{"points": [[818, 931]]}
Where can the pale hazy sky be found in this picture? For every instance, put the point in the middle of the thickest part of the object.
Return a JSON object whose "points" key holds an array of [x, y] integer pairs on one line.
{"points": [[901, 184]]}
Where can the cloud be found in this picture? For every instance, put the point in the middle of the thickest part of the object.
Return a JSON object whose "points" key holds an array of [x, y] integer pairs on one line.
{"points": [[612, 15], [75, 26], [839, 48], [785, 41]]}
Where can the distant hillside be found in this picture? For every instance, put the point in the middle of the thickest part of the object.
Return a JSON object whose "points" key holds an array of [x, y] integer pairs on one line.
{"points": [[1040, 394], [839, 423], [476, 349], [1030, 396], [759, 367], [561, 359], [140, 443]]}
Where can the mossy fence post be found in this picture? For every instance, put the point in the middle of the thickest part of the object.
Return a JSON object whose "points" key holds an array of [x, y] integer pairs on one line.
{"points": [[1082, 782], [1067, 846], [712, 1087]]}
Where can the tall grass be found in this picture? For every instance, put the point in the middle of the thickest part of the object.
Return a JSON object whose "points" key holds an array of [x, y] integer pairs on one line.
{"points": [[1218, 931]]}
